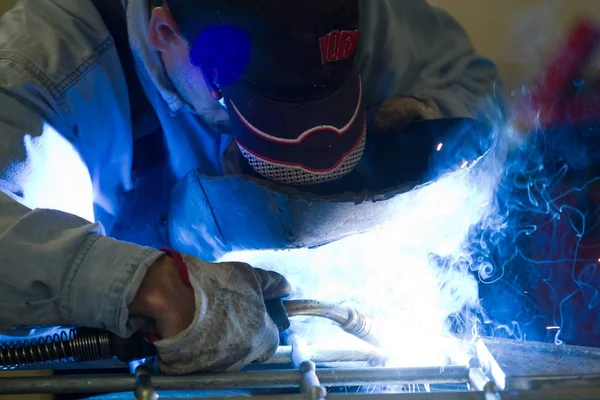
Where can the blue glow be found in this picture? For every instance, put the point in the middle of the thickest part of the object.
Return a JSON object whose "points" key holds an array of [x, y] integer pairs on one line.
{"points": [[496, 248], [544, 258], [393, 274], [223, 52], [56, 176]]}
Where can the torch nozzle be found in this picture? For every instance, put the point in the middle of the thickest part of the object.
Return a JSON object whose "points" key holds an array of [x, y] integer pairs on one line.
{"points": [[348, 318]]}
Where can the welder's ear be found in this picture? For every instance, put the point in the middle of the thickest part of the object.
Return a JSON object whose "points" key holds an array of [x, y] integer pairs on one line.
{"points": [[163, 33]]}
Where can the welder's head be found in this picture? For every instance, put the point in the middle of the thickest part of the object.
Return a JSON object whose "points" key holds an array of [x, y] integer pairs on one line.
{"points": [[286, 72]]}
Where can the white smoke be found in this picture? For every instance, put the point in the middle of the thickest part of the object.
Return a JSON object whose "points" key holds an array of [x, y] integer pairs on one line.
{"points": [[390, 273]]}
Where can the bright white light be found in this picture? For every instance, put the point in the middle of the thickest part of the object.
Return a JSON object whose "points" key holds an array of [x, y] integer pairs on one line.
{"points": [[56, 177], [439, 146], [388, 273]]}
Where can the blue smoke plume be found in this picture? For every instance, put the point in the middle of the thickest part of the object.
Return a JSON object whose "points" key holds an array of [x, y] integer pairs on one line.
{"points": [[544, 259]]}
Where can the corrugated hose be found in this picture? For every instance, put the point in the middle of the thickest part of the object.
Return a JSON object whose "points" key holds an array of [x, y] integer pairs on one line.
{"points": [[84, 345]]}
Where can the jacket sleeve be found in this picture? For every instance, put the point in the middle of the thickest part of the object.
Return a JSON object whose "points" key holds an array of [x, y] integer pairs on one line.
{"points": [[410, 48], [56, 268]]}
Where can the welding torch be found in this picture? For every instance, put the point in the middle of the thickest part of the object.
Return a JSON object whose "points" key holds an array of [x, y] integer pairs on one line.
{"points": [[85, 345], [347, 318]]}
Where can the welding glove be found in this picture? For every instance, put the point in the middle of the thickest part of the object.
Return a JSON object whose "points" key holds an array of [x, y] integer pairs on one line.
{"points": [[397, 113], [231, 328]]}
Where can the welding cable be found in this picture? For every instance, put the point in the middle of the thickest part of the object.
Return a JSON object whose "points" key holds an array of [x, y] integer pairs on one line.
{"points": [[348, 318], [82, 345]]}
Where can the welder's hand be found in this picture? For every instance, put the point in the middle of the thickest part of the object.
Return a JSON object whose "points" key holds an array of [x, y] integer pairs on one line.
{"points": [[231, 327], [397, 113]]}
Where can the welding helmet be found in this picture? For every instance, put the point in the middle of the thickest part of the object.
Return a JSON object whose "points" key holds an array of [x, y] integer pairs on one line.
{"points": [[287, 74]]}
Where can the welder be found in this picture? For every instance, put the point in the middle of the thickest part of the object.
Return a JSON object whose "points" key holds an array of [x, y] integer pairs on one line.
{"points": [[280, 90]]}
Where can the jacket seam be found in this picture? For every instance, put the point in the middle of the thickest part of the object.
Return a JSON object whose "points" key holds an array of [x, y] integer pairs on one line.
{"points": [[84, 249], [80, 71], [31, 68], [57, 89]]}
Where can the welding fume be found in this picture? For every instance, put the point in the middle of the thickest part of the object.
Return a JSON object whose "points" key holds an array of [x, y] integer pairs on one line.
{"points": [[196, 173]]}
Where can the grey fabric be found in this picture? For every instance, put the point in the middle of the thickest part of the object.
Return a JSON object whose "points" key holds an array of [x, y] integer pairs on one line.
{"points": [[397, 113], [232, 327]]}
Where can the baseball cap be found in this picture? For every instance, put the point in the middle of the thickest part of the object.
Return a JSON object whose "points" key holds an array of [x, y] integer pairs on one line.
{"points": [[286, 71]]}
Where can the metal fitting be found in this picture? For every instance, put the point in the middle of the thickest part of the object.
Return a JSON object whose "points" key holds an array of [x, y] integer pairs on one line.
{"points": [[349, 319]]}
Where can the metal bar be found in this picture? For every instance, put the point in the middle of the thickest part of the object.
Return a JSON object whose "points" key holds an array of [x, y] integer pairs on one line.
{"points": [[491, 391], [477, 379], [576, 394], [235, 380], [549, 382], [398, 396], [524, 358], [300, 350], [320, 355], [143, 389], [309, 382], [301, 355], [490, 365]]}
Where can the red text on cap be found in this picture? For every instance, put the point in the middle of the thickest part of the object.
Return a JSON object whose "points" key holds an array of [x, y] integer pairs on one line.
{"points": [[338, 45]]}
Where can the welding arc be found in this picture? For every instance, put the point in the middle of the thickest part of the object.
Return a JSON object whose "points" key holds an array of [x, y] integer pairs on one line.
{"points": [[348, 318]]}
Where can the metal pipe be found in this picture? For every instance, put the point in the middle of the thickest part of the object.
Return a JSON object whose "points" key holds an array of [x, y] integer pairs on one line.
{"points": [[477, 378], [349, 319], [234, 380], [491, 391], [301, 357], [576, 394], [143, 389], [309, 384], [300, 349], [489, 364]]}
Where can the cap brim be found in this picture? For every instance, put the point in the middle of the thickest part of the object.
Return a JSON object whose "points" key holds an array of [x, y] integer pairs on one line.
{"points": [[320, 140]]}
